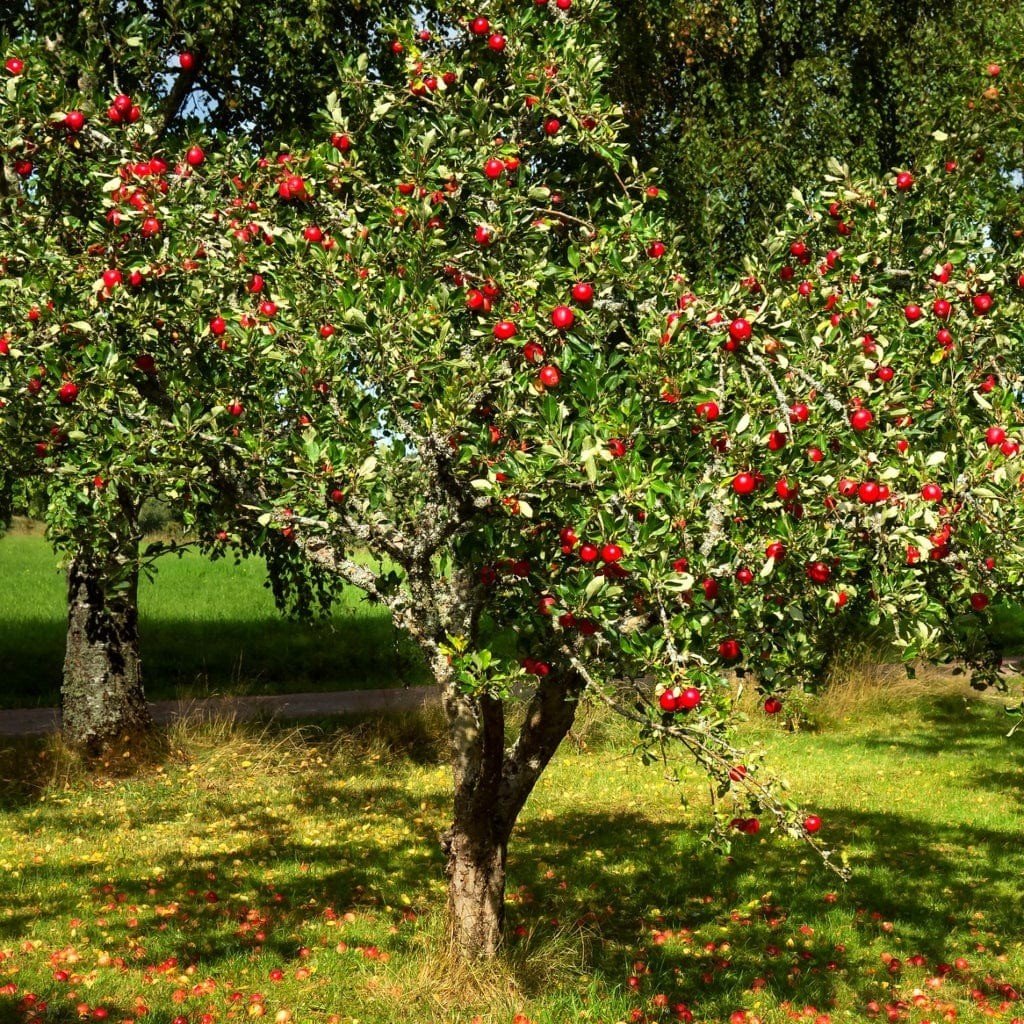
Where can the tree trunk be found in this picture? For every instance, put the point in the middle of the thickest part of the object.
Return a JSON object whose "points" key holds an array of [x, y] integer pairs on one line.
{"points": [[101, 694], [491, 787], [476, 893]]}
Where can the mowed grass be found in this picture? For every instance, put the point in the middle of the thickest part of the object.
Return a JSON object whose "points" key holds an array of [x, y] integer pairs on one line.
{"points": [[211, 628], [205, 628], [298, 877]]}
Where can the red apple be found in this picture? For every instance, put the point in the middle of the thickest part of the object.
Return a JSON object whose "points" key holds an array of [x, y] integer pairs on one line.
{"points": [[744, 483], [562, 317]]}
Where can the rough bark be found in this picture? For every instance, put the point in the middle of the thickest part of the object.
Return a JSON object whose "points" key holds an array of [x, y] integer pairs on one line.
{"points": [[491, 787], [101, 694]]}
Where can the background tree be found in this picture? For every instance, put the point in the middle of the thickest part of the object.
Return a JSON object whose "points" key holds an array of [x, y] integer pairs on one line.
{"points": [[737, 101]]}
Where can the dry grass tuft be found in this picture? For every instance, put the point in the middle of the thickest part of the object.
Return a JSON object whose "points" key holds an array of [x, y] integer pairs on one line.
{"points": [[496, 989], [860, 682]]}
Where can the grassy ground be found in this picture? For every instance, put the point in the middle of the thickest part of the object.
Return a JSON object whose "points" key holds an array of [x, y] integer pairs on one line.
{"points": [[306, 885], [212, 627], [206, 627]]}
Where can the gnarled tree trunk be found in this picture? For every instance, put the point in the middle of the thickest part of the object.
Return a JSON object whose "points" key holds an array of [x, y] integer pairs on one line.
{"points": [[491, 786], [101, 695]]}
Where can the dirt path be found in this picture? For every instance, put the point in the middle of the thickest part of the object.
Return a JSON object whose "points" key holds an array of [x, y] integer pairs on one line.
{"points": [[34, 721]]}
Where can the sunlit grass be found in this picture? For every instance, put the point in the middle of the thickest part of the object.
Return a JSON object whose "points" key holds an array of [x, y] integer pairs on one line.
{"points": [[315, 854], [206, 627]]}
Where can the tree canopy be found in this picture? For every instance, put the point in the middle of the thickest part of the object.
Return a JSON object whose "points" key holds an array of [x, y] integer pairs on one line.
{"points": [[444, 349]]}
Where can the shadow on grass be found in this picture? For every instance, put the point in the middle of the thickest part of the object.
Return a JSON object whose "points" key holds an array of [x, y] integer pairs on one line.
{"points": [[760, 918], [189, 659]]}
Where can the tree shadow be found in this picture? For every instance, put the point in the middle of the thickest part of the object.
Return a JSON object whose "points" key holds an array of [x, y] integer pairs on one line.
{"points": [[705, 928]]}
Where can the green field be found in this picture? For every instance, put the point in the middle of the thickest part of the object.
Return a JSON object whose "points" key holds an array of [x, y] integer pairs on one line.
{"points": [[185, 889], [206, 627], [212, 628]]}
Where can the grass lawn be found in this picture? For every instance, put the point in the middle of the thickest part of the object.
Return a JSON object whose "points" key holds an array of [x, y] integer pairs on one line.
{"points": [[205, 627], [212, 628], [300, 878]]}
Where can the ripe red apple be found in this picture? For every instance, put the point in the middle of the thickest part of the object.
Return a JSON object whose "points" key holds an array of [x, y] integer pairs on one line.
{"points": [[482, 235], [505, 329], [549, 376], [689, 698], [931, 492], [710, 587], [818, 572], [195, 156], [552, 126], [812, 824], [861, 419], [913, 312], [738, 772], [904, 181], [729, 650], [740, 330], [112, 277], [480, 26], [656, 250], [150, 227], [708, 411], [533, 353], [995, 436], [235, 408], [611, 553], [68, 393], [562, 317], [667, 700], [74, 120], [869, 492], [15, 65], [218, 325], [497, 42], [982, 303], [588, 553], [979, 601], [772, 706], [744, 483], [582, 292], [494, 168], [744, 576]]}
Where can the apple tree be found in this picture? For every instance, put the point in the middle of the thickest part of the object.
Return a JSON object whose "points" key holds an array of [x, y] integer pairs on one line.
{"points": [[444, 353], [464, 374], [96, 253], [100, 111]]}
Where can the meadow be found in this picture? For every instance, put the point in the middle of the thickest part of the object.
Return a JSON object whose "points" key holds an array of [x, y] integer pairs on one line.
{"points": [[210, 628], [205, 628], [307, 885]]}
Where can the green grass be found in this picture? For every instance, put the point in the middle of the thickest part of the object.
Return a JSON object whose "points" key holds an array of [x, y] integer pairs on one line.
{"points": [[205, 627], [320, 858]]}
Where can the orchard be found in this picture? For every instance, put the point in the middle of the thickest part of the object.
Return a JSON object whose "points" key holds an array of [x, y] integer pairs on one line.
{"points": [[442, 348]]}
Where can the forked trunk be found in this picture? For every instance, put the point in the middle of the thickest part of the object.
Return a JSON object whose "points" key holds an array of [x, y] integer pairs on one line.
{"points": [[101, 695], [491, 786]]}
